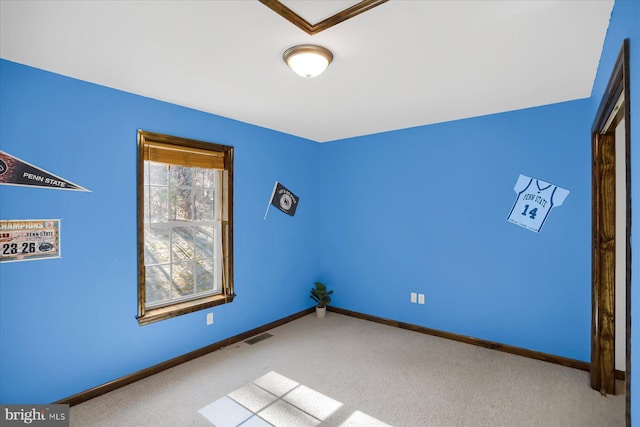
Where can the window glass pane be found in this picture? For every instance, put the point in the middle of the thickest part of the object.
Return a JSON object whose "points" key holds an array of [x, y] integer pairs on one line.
{"points": [[158, 204], [158, 281], [204, 242], [204, 276], [180, 176], [182, 275], [156, 244], [198, 176], [181, 184], [204, 201], [181, 199], [181, 244], [157, 173], [145, 200], [205, 177], [181, 204]]}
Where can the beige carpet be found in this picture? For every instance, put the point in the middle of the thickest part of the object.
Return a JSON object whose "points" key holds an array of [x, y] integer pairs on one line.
{"points": [[342, 371]]}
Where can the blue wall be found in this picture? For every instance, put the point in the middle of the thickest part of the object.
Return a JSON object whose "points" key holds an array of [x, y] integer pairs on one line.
{"points": [[68, 324], [424, 210], [625, 23]]}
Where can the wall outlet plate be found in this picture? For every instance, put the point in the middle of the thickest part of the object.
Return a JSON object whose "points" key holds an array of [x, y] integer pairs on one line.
{"points": [[209, 318], [420, 298], [414, 297]]}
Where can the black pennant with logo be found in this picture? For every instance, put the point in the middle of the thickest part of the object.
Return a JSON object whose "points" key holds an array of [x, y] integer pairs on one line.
{"points": [[14, 171]]}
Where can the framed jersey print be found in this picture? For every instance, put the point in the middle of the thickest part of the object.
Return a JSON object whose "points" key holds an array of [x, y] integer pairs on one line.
{"points": [[534, 202]]}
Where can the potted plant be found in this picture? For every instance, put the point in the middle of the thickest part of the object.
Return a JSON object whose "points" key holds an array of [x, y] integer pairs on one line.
{"points": [[321, 296]]}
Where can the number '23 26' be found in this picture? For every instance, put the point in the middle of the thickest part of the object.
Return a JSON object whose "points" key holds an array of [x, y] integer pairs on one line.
{"points": [[12, 248]]}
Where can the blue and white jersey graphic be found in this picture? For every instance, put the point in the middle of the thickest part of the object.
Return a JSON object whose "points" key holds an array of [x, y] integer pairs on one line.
{"points": [[535, 200]]}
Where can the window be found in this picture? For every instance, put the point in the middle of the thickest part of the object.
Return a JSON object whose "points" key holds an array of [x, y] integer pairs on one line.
{"points": [[185, 226]]}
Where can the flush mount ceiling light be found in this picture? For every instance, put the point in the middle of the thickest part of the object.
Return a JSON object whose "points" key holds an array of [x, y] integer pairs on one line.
{"points": [[308, 60]]}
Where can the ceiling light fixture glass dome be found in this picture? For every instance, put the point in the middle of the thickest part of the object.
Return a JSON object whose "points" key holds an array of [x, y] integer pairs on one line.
{"points": [[308, 60]]}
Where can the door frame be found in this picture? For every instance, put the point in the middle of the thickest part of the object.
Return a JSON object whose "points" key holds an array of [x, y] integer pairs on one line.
{"points": [[602, 372]]}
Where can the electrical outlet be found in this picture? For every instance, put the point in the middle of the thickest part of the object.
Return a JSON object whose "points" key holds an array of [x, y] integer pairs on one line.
{"points": [[414, 297], [420, 298], [209, 318]]}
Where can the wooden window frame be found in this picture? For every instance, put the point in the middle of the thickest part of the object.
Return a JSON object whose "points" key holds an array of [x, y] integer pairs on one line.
{"points": [[222, 158]]}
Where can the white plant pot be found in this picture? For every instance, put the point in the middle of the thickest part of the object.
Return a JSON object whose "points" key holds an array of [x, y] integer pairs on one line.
{"points": [[321, 312]]}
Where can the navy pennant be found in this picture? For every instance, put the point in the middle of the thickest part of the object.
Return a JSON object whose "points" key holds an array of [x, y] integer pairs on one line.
{"points": [[14, 171]]}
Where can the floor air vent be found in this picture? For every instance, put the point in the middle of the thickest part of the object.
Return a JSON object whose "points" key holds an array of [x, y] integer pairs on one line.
{"points": [[258, 338]]}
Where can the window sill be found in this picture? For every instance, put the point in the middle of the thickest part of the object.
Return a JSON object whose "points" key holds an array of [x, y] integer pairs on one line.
{"points": [[162, 313]]}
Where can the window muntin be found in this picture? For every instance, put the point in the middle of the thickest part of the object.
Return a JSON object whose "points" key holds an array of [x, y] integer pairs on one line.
{"points": [[184, 250]]}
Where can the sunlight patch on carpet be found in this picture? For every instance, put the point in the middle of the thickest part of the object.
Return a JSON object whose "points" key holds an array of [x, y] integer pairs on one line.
{"points": [[275, 400]]}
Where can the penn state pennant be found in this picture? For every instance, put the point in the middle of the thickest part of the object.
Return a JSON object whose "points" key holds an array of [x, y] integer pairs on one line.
{"points": [[283, 199], [14, 171]]}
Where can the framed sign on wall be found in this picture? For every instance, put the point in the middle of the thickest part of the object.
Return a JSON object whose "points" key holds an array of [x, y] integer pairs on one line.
{"points": [[29, 239]]}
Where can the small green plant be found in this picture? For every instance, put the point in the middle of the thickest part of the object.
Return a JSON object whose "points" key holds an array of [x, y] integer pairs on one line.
{"points": [[320, 295]]}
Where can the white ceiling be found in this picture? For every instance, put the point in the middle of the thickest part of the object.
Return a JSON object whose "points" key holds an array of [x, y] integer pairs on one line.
{"points": [[404, 63]]}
